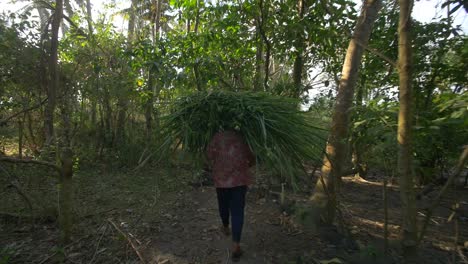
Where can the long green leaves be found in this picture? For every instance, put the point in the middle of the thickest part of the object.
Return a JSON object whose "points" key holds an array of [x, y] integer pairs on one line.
{"points": [[281, 136]]}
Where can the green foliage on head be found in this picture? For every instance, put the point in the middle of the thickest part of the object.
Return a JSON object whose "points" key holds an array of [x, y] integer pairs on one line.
{"points": [[279, 134]]}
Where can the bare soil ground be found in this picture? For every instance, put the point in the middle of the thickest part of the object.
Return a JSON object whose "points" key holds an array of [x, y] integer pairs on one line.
{"points": [[158, 216]]}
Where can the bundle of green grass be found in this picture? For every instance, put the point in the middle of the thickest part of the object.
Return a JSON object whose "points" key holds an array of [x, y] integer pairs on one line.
{"points": [[281, 136]]}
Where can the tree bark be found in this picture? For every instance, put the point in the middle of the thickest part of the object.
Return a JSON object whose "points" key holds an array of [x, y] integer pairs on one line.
{"points": [[406, 181], [299, 61], [262, 22], [258, 56], [324, 198], [149, 104], [53, 73], [66, 195], [89, 16], [152, 83], [20, 138], [123, 99], [196, 66]]}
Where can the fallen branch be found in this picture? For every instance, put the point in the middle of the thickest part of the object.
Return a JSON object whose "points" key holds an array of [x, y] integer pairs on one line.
{"points": [[128, 239]]}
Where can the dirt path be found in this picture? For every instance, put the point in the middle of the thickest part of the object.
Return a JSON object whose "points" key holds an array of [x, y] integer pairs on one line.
{"points": [[180, 225], [189, 233]]}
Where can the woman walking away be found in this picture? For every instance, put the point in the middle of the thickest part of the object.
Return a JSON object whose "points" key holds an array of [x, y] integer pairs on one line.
{"points": [[230, 158]]}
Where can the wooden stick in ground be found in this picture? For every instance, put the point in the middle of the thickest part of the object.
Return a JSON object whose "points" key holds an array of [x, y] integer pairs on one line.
{"points": [[385, 201], [128, 239], [435, 203]]}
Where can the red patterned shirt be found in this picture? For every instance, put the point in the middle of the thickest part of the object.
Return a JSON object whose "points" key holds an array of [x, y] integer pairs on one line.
{"points": [[230, 158]]}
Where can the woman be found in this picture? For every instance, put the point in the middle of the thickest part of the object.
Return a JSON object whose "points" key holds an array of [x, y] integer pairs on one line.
{"points": [[230, 158]]}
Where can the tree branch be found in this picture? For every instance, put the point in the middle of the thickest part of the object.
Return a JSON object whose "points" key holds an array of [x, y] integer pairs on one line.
{"points": [[435, 203], [377, 53], [371, 50], [38, 162], [5, 121], [128, 240], [16, 186]]}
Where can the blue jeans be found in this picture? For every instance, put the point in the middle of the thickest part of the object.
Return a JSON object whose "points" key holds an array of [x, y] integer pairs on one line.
{"points": [[232, 200]]}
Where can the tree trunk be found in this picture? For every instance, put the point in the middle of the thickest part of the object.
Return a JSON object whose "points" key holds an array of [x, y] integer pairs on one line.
{"points": [[356, 148], [53, 73], [406, 180], [89, 16], [264, 17], [66, 195], [258, 57], [325, 194], [197, 17], [20, 137], [108, 133], [123, 99], [196, 65], [66, 171], [33, 144], [86, 8], [149, 108], [298, 61], [149, 104]]}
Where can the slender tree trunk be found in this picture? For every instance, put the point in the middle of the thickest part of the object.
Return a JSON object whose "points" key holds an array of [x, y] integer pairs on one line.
{"points": [[66, 195], [196, 66], [65, 188], [264, 18], [86, 8], [66, 181], [132, 22], [356, 148], [298, 61], [157, 87], [258, 56], [32, 139], [327, 188], [123, 99], [89, 16], [53, 73], [93, 112], [406, 180], [44, 81], [149, 108], [108, 134], [197, 17], [149, 104], [20, 137]]}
